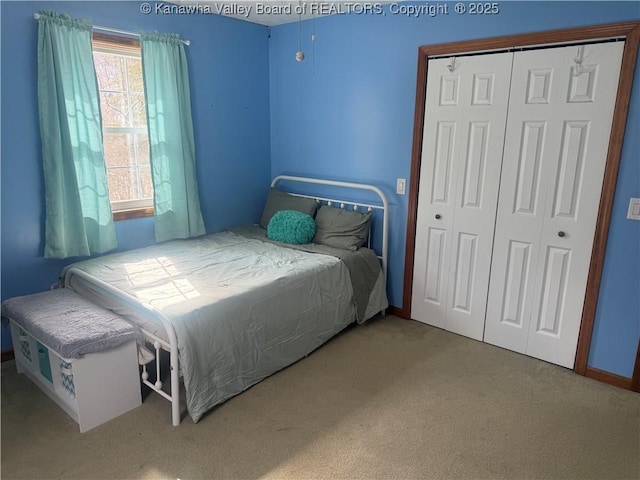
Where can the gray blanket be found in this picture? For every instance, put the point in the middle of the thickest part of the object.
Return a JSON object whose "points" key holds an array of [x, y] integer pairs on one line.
{"points": [[363, 264], [241, 308], [67, 323]]}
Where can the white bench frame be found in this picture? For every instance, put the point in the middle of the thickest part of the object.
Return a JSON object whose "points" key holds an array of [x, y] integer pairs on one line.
{"points": [[105, 384]]}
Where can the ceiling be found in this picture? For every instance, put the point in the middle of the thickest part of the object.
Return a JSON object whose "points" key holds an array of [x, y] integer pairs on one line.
{"points": [[274, 12]]}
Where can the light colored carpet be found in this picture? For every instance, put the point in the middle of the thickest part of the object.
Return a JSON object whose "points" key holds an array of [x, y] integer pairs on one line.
{"points": [[393, 399]]}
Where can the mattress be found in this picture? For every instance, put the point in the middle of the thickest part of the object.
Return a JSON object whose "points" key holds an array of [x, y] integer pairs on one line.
{"points": [[242, 308]]}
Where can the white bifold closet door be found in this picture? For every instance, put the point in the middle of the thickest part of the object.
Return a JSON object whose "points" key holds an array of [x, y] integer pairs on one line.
{"points": [[558, 127], [513, 157], [465, 115]]}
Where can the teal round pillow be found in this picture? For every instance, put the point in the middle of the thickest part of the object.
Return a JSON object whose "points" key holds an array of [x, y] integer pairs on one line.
{"points": [[291, 226]]}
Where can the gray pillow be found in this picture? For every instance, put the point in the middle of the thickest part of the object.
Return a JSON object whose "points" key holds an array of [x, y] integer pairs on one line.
{"points": [[278, 200], [341, 228]]}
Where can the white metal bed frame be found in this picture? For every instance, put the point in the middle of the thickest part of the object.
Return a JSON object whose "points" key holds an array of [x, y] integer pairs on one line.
{"points": [[171, 345]]}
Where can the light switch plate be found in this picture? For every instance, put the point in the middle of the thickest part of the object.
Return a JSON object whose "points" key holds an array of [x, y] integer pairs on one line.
{"points": [[634, 209], [401, 186]]}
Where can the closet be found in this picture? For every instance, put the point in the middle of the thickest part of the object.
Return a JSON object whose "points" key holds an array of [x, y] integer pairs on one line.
{"points": [[513, 156]]}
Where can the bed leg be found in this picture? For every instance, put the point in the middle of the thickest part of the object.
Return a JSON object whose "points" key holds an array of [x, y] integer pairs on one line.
{"points": [[175, 388]]}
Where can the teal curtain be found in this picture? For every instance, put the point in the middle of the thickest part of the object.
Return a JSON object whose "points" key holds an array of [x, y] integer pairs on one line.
{"points": [[78, 212], [171, 143]]}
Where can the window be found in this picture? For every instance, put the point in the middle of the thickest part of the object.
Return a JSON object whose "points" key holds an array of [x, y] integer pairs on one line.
{"points": [[124, 125]]}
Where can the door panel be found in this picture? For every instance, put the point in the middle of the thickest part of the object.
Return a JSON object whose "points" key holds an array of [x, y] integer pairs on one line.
{"points": [[475, 167], [465, 112], [435, 266], [570, 168], [554, 157], [464, 272], [554, 288], [528, 168], [443, 163], [518, 274]]}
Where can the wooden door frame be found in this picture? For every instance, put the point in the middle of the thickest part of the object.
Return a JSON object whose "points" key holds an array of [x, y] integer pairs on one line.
{"points": [[635, 380], [628, 30]]}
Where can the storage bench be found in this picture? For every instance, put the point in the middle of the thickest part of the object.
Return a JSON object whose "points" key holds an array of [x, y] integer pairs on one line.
{"points": [[82, 356]]}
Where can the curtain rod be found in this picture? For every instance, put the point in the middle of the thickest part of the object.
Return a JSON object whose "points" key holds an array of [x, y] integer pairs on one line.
{"points": [[115, 30]]}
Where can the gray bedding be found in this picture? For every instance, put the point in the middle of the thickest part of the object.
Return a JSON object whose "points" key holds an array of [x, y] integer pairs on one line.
{"points": [[242, 308], [363, 264]]}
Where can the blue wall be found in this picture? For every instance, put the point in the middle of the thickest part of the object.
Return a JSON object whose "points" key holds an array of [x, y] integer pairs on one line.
{"points": [[229, 74], [347, 112]]}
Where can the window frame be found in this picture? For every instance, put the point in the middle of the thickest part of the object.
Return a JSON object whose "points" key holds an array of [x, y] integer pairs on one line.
{"points": [[124, 46]]}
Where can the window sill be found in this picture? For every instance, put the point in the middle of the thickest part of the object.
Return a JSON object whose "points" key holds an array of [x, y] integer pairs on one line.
{"points": [[133, 213]]}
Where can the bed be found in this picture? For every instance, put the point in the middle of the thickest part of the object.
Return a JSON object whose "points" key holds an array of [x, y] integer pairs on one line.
{"points": [[235, 307]]}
